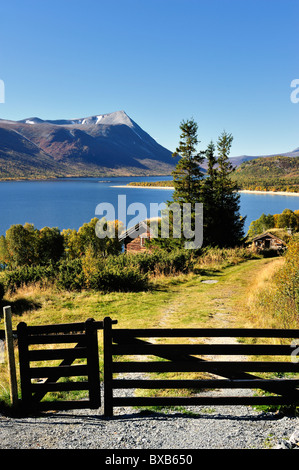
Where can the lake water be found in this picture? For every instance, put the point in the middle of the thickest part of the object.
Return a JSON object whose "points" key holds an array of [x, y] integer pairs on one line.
{"points": [[70, 202]]}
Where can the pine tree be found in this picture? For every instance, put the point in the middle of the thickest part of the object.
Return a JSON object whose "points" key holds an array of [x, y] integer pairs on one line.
{"points": [[222, 224], [187, 180], [188, 175], [228, 226], [209, 199]]}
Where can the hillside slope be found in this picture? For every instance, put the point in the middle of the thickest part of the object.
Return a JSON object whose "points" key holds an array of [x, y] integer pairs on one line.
{"points": [[269, 173], [109, 144], [237, 161]]}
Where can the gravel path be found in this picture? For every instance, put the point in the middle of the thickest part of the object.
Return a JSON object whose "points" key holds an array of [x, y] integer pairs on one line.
{"points": [[223, 427]]}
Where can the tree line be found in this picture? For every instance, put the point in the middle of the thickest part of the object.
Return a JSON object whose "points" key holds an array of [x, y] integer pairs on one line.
{"points": [[25, 245], [287, 220], [223, 225]]}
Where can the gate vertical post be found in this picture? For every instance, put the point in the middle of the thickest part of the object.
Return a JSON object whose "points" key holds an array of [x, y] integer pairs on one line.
{"points": [[11, 356], [24, 364], [93, 363], [108, 391]]}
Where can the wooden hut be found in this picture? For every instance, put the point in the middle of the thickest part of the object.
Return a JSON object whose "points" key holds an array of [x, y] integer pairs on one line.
{"points": [[134, 238], [268, 241]]}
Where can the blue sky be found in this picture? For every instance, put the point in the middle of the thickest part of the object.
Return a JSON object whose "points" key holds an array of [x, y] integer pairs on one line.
{"points": [[226, 63]]}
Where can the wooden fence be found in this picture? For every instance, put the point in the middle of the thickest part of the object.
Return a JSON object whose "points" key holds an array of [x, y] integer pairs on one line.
{"points": [[128, 352], [84, 336], [119, 343]]}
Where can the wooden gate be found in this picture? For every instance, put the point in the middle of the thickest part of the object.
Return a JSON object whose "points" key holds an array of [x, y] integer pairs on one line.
{"points": [[184, 358], [36, 382]]}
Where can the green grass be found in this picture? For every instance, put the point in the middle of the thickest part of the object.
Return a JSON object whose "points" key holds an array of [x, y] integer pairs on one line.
{"points": [[172, 301]]}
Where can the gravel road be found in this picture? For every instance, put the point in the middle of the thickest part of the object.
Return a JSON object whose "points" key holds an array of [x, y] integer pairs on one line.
{"points": [[222, 427]]}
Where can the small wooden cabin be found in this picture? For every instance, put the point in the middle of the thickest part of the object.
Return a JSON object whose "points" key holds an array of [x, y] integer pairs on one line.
{"points": [[268, 241], [134, 238]]}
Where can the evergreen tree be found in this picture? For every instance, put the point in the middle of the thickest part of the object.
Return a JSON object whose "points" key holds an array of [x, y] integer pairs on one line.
{"points": [[210, 202], [228, 226], [188, 175], [187, 182], [222, 224]]}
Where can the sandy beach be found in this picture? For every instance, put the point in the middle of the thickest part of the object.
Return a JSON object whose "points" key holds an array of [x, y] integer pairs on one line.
{"points": [[144, 187], [273, 193]]}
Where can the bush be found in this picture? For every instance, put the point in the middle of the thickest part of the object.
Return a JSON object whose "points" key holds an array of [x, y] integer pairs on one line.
{"points": [[111, 276], [70, 275], [287, 283], [127, 279], [124, 272], [275, 301], [24, 275], [156, 262], [216, 258]]}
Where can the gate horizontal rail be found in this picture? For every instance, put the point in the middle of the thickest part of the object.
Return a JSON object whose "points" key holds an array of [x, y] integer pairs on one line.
{"points": [[205, 332], [120, 343], [208, 366]]}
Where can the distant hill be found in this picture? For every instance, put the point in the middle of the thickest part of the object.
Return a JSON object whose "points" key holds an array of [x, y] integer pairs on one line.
{"points": [[107, 144], [279, 173], [237, 161]]}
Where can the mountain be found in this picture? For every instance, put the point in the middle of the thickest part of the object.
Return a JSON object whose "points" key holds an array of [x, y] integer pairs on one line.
{"points": [[105, 144], [236, 161]]}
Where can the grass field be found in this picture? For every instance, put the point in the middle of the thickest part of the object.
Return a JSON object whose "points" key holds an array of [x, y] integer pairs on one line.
{"points": [[173, 301]]}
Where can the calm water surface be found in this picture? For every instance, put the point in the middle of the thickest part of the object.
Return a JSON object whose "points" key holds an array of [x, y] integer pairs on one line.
{"points": [[68, 203]]}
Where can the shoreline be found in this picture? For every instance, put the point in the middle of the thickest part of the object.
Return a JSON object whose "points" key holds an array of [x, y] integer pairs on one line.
{"points": [[143, 187], [245, 191], [272, 193]]}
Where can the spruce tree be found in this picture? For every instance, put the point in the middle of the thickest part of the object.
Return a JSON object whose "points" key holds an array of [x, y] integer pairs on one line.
{"points": [[222, 224], [209, 197], [228, 226], [187, 179], [188, 175]]}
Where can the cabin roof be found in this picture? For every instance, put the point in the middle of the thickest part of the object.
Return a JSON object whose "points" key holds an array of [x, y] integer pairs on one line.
{"points": [[267, 235], [135, 231]]}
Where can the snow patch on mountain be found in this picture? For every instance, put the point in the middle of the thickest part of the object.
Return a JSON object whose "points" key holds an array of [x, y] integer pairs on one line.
{"points": [[112, 119]]}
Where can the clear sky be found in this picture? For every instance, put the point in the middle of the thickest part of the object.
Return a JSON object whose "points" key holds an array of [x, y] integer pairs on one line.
{"points": [[226, 63]]}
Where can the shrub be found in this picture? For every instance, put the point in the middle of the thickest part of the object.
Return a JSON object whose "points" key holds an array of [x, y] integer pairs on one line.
{"points": [[24, 275], [70, 275], [156, 262], [287, 281], [125, 279], [214, 257], [275, 300], [100, 275]]}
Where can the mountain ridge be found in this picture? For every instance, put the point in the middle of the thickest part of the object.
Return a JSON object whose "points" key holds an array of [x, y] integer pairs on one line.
{"points": [[104, 144], [237, 161], [110, 144]]}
